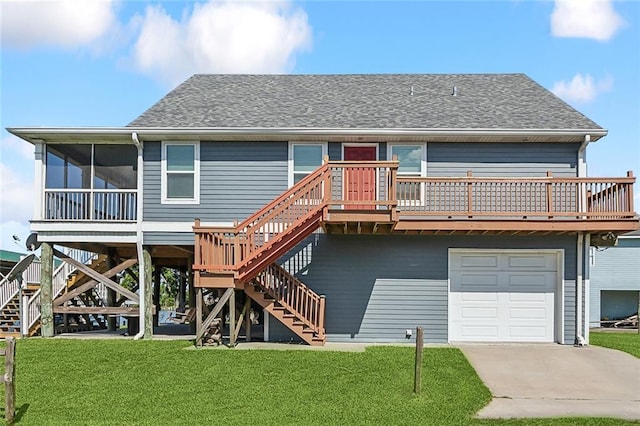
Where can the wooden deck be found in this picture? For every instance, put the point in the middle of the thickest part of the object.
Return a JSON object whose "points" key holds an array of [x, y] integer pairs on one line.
{"points": [[349, 197]]}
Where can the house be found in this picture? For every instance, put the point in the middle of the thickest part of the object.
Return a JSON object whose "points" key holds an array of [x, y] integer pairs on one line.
{"points": [[615, 280], [349, 207]]}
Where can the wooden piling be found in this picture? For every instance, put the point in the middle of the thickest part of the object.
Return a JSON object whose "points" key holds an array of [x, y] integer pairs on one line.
{"points": [[146, 322], [46, 290]]}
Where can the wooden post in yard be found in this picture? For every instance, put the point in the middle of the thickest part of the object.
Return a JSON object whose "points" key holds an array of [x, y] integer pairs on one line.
{"points": [[46, 290], [9, 380], [146, 322], [638, 313], [417, 383]]}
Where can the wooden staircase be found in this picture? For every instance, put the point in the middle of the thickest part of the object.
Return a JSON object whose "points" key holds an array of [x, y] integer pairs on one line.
{"points": [[10, 315], [89, 321], [243, 257], [290, 301]]}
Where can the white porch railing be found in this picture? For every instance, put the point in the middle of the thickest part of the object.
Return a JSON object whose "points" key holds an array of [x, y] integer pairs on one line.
{"points": [[9, 289], [117, 205]]}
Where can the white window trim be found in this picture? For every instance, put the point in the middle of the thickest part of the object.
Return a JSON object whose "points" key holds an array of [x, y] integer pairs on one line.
{"points": [[423, 170], [196, 172], [290, 157], [423, 161]]}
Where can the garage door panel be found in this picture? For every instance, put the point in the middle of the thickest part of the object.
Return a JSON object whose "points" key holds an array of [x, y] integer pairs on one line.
{"points": [[535, 262], [527, 313], [502, 297], [528, 298], [478, 296], [530, 333], [481, 261], [486, 332], [471, 313]]}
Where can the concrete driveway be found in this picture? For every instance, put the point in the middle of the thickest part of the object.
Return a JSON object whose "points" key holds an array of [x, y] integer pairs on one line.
{"points": [[550, 380]]}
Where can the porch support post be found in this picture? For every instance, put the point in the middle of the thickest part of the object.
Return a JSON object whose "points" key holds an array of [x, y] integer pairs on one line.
{"points": [[147, 321], [111, 294], [232, 319], [247, 318], [157, 272], [199, 331], [192, 291], [46, 290]]}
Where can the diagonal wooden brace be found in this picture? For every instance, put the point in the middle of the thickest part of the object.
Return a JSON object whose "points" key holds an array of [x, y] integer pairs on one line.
{"points": [[86, 286], [245, 311], [97, 276], [213, 314]]}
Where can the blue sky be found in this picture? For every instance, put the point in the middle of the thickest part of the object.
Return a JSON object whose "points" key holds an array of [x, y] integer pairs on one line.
{"points": [[102, 63]]}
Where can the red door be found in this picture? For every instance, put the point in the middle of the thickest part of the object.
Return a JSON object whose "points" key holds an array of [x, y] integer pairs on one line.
{"points": [[360, 182]]}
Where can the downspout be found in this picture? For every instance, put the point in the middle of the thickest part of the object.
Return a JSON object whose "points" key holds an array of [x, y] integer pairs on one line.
{"points": [[587, 286], [579, 272], [139, 239], [582, 172]]}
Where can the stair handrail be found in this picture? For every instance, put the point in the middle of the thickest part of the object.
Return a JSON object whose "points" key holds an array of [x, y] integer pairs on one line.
{"points": [[235, 245], [295, 296], [228, 249], [59, 281]]}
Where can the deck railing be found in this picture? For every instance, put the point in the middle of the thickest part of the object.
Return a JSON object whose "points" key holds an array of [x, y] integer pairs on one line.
{"points": [[116, 205], [335, 184], [9, 289], [512, 198]]}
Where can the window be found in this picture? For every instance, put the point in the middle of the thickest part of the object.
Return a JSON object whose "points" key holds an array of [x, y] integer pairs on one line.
{"points": [[411, 162], [303, 160], [180, 173]]}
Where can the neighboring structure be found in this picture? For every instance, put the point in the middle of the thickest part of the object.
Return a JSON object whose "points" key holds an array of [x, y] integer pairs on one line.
{"points": [[615, 280], [368, 205]]}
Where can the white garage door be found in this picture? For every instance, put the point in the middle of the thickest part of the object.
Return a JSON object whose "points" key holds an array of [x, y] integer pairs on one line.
{"points": [[502, 296]]}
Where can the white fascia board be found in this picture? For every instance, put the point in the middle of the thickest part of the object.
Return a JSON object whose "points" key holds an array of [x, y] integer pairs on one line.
{"points": [[123, 134], [88, 228], [87, 238]]}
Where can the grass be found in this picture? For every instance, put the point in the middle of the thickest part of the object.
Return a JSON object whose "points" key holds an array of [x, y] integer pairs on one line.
{"points": [[159, 382], [626, 342]]}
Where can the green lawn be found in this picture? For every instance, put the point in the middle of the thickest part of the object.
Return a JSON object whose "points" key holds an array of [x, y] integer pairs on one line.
{"points": [[626, 342], [62, 382]]}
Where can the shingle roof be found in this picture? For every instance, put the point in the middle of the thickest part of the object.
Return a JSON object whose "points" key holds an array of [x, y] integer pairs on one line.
{"points": [[483, 101]]}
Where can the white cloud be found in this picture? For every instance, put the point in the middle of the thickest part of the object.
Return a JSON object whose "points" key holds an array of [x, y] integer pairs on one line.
{"points": [[64, 23], [16, 196], [221, 37], [595, 19], [582, 88], [18, 146]]}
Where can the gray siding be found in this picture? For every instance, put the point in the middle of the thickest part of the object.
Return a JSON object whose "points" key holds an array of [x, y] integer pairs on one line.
{"points": [[237, 178], [616, 268], [502, 159], [172, 238], [376, 287]]}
